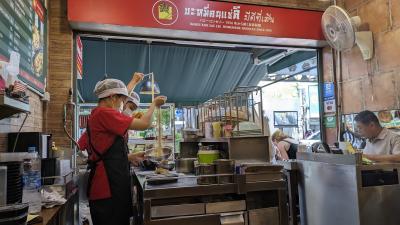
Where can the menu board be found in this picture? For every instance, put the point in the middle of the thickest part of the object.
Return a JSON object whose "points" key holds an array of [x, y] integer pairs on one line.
{"points": [[387, 118], [286, 119], [23, 32]]}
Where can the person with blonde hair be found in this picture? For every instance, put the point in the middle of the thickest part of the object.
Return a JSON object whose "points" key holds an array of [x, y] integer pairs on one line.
{"points": [[285, 145]]}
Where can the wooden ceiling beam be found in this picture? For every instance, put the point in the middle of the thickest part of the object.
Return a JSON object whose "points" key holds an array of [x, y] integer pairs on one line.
{"points": [[319, 5]]}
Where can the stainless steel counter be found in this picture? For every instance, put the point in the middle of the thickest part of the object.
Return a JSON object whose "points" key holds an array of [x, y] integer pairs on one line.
{"points": [[182, 188], [339, 189], [186, 193], [187, 186]]}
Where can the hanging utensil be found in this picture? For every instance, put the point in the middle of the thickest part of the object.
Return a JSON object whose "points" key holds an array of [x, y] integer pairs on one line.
{"points": [[159, 153]]}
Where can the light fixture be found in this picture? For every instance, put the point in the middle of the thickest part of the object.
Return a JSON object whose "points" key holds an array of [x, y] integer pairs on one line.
{"points": [[270, 76], [105, 57], [274, 59], [149, 86], [306, 66], [314, 61], [292, 68], [298, 77]]}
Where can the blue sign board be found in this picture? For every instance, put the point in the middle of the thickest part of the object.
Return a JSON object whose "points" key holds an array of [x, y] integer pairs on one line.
{"points": [[329, 91]]}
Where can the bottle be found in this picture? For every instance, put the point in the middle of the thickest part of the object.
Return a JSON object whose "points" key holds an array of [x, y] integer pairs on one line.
{"points": [[53, 146], [200, 146], [32, 182], [56, 152]]}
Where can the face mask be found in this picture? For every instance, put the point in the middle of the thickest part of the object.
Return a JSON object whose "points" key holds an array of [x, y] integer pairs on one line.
{"points": [[128, 112]]}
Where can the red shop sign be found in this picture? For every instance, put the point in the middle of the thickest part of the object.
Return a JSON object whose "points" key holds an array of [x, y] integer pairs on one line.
{"points": [[201, 16]]}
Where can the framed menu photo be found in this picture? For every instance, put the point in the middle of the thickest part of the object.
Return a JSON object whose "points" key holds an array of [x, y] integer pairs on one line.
{"points": [[23, 28], [286, 118]]}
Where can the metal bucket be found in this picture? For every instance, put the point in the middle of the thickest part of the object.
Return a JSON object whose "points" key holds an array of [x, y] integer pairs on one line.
{"points": [[205, 174], [223, 168]]}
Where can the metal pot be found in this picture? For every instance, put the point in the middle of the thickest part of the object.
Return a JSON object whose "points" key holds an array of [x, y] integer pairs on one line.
{"points": [[185, 165], [151, 154], [225, 167], [190, 134], [168, 165], [209, 171]]}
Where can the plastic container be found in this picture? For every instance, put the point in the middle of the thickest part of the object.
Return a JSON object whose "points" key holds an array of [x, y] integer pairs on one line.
{"points": [[48, 170], [208, 130], [15, 214], [14, 182], [3, 185], [207, 156], [32, 182], [217, 130]]}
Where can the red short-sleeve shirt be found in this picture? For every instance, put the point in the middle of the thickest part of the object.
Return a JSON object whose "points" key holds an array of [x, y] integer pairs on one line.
{"points": [[105, 125]]}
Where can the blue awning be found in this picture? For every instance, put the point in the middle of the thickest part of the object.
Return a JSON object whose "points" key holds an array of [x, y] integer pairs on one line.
{"points": [[185, 74]]}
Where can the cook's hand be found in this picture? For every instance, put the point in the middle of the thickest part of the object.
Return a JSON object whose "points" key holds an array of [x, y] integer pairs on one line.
{"points": [[136, 158], [137, 77], [159, 101]]}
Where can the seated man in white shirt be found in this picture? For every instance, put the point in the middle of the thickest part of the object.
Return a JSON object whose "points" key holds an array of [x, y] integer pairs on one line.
{"points": [[383, 145]]}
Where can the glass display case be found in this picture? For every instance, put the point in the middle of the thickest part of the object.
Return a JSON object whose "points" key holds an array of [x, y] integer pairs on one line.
{"points": [[239, 111], [143, 140]]}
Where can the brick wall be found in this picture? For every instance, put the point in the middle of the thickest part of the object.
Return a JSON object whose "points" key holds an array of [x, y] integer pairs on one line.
{"points": [[298, 4], [375, 84], [34, 122], [60, 69]]}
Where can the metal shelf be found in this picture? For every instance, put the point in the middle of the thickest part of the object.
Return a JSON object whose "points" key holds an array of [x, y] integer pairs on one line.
{"points": [[211, 140], [145, 142], [207, 140], [10, 106]]}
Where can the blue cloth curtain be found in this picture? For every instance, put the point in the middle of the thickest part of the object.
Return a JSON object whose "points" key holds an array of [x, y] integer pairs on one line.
{"points": [[184, 74]]}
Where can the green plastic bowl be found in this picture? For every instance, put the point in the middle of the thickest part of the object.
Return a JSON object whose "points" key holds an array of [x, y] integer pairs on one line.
{"points": [[207, 156]]}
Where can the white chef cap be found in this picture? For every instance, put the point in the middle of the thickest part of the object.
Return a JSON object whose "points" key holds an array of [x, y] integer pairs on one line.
{"points": [[134, 98], [108, 87]]}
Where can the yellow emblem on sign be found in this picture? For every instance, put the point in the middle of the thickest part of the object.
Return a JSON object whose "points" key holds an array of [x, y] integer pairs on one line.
{"points": [[164, 11]]}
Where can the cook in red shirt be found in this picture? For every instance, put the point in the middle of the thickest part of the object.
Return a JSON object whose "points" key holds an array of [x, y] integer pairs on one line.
{"points": [[109, 180]]}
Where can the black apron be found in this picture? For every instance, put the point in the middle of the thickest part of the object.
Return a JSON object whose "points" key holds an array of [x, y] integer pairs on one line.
{"points": [[119, 208]]}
